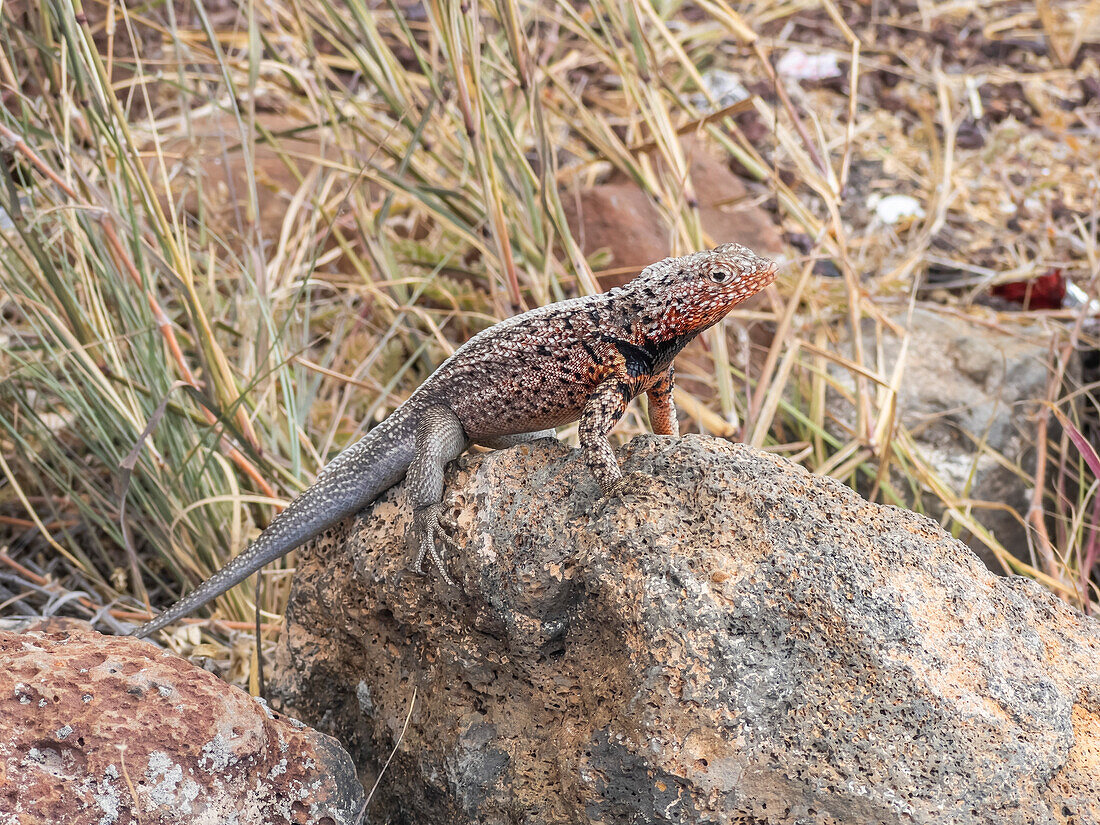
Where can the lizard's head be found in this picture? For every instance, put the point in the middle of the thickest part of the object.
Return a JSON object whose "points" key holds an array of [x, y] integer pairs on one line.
{"points": [[696, 291]]}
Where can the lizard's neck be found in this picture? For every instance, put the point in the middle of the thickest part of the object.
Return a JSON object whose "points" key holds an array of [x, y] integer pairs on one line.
{"points": [[664, 351], [644, 322]]}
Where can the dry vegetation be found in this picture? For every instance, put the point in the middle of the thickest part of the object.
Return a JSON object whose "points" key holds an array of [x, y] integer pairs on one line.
{"points": [[237, 235]]}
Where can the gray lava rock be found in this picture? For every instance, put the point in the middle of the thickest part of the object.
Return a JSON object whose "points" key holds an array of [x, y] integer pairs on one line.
{"points": [[969, 394], [735, 641]]}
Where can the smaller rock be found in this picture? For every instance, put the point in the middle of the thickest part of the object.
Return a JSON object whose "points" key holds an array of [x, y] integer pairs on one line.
{"points": [[619, 217], [724, 87], [967, 398], [113, 731]]}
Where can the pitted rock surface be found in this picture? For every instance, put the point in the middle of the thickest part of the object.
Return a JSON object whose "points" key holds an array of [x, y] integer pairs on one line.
{"points": [[112, 731], [734, 641]]}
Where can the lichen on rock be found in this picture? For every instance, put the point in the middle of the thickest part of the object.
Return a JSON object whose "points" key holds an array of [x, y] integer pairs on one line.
{"points": [[99, 730]]}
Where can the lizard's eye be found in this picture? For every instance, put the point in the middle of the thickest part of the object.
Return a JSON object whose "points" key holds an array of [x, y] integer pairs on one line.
{"points": [[719, 276]]}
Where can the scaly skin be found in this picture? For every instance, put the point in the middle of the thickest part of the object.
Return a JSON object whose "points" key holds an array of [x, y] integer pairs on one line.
{"points": [[584, 358]]}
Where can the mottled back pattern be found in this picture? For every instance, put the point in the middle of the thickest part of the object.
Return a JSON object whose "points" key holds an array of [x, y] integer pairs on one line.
{"points": [[537, 370]]}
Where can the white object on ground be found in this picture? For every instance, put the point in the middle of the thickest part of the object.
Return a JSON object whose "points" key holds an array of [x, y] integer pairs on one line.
{"points": [[725, 87], [797, 65], [895, 208]]}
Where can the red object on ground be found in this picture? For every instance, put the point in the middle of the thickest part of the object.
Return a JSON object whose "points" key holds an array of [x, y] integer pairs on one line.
{"points": [[1045, 292]]}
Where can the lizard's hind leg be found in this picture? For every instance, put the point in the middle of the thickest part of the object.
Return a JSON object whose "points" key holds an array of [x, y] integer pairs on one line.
{"points": [[439, 440]]}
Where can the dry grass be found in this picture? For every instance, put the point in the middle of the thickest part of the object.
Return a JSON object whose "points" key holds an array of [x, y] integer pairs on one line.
{"points": [[240, 235]]}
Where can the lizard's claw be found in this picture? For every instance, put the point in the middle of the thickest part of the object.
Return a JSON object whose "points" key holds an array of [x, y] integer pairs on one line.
{"points": [[427, 535], [631, 484]]}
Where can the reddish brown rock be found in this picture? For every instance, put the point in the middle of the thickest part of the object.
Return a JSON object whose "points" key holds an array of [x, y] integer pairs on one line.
{"points": [[114, 731], [209, 163], [619, 217]]}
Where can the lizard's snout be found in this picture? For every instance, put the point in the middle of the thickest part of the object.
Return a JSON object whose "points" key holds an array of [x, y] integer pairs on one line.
{"points": [[768, 269]]}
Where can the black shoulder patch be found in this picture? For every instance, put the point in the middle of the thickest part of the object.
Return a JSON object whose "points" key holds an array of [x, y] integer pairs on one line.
{"points": [[638, 359]]}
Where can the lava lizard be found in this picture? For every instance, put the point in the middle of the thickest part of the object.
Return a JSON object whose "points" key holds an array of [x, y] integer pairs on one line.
{"points": [[584, 358]]}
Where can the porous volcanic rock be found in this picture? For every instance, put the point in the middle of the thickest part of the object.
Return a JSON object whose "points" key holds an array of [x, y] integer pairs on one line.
{"points": [[734, 641], [113, 731]]}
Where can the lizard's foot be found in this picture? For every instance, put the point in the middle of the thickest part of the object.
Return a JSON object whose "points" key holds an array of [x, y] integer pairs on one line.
{"points": [[427, 535], [631, 484]]}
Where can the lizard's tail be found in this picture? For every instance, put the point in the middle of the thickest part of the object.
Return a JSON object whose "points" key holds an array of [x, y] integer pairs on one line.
{"points": [[351, 481]]}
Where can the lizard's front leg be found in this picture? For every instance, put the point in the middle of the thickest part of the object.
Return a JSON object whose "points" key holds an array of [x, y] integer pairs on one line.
{"points": [[601, 412], [439, 440], [662, 409]]}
